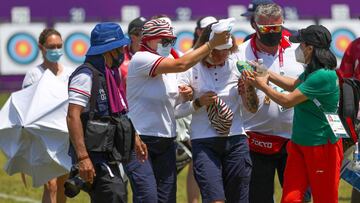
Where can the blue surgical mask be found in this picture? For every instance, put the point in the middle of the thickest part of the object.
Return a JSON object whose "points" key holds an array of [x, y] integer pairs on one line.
{"points": [[53, 55], [162, 50]]}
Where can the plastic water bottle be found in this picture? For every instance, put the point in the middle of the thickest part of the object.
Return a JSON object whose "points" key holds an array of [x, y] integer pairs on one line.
{"points": [[261, 69], [356, 161], [242, 65]]}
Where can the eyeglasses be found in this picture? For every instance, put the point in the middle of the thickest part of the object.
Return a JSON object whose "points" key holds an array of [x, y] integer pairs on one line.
{"points": [[168, 41], [269, 28]]}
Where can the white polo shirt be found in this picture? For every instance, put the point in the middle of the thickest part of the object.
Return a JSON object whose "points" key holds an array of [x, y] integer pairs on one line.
{"points": [[271, 118], [34, 74], [151, 98], [223, 81]]}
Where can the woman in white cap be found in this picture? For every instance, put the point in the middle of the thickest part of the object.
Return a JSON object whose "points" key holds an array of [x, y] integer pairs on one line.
{"points": [[152, 92], [222, 164]]}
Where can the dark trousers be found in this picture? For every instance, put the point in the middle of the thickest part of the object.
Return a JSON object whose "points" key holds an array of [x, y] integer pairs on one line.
{"points": [[108, 187], [154, 180], [263, 174], [222, 168]]}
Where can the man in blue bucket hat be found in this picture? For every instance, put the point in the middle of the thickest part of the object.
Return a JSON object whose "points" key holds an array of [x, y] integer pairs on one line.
{"points": [[95, 95]]}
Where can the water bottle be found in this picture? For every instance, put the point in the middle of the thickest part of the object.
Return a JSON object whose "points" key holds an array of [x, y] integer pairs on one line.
{"points": [[261, 69], [356, 161], [243, 65]]}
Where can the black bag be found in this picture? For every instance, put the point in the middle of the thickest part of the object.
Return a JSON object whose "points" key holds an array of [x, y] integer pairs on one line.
{"points": [[113, 135], [349, 106]]}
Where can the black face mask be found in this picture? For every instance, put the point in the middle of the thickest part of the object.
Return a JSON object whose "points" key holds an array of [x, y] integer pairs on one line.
{"points": [[117, 62], [270, 39]]}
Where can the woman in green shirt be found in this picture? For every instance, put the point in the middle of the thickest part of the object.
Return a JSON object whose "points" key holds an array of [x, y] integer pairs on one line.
{"points": [[314, 152]]}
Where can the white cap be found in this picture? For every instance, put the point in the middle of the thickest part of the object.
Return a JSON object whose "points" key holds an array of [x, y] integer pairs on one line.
{"points": [[221, 26], [207, 21]]}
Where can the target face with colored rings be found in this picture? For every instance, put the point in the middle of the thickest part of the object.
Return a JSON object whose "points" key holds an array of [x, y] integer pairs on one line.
{"points": [[76, 45], [184, 41], [240, 36], [22, 48], [341, 38]]}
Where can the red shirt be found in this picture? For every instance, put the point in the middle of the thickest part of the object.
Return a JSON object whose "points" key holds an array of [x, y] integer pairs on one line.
{"points": [[124, 66], [350, 62]]}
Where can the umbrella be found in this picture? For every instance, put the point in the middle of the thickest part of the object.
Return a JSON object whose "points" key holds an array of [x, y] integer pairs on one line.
{"points": [[33, 131]]}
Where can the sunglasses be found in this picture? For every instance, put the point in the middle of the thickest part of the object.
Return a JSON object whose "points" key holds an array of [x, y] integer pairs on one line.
{"points": [[269, 28], [168, 41]]}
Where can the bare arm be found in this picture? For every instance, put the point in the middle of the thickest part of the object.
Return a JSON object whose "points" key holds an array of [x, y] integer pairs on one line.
{"points": [[86, 168], [187, 61], [285, 100], [76, 129], [284, 82]]}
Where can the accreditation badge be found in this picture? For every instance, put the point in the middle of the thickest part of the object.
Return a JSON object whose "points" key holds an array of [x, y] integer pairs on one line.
{"points": [[336, 125]]}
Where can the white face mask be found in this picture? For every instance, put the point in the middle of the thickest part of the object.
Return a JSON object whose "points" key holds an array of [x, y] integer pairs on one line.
{"points": [[299, 55], [163, 51]]}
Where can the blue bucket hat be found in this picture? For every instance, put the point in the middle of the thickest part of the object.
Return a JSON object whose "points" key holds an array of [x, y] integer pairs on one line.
{"points": [[106, 37]]}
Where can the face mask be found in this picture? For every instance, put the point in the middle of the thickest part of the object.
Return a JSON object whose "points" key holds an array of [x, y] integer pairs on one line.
{"points": [[299, 55], [117, 62], [53, 55], [163, 51], [270, 39]]}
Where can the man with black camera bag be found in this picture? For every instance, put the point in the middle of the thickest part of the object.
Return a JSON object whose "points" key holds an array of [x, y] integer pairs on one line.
{"points": [[102, 136]]}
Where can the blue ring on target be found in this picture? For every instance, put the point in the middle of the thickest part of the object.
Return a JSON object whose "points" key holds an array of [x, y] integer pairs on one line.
{"points": [[240, 34], [70, 42], [337, 35], [184, 41], [22, 42]]}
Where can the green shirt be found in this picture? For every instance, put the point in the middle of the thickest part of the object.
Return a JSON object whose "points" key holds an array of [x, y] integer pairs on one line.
{"points": [[310, 127]]}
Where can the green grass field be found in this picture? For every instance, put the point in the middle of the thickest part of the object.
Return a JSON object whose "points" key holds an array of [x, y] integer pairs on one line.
{"points": [[13, 186]]}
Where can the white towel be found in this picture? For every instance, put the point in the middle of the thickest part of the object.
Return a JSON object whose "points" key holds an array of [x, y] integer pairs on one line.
{"points": [[221, 26]]}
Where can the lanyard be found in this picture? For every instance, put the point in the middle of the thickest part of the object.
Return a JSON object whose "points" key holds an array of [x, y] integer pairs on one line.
{"points": [[254, 50]]}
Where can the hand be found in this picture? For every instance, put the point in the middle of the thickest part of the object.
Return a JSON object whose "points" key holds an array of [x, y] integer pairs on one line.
{"points": [[208, 98], [257, 81], [140, 149], [86, 170], [186, 92], [220, 39]]}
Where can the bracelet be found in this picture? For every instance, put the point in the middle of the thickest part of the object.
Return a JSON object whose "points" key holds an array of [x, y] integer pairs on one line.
{"points": [[82, 158], [197, 102], [208, 45]]}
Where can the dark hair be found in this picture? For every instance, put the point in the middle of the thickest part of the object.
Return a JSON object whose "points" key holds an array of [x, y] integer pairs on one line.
{"points": [[321, 58], [196, 36], [46, 33]]}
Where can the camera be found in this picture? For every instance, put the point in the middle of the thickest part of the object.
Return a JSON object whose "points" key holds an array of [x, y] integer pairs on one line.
{"points": [[74, 183]]}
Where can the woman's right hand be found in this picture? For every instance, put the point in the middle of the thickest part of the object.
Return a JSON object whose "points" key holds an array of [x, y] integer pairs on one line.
{"points": [[208, 98], [220, 39]]}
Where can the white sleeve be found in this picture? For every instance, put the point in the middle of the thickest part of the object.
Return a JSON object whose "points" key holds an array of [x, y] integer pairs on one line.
{"points": [[184, 109], [80, 89], [145, 63]]}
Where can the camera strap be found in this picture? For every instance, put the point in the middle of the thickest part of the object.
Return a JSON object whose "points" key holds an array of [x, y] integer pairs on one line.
{"points": [[94, 89]]}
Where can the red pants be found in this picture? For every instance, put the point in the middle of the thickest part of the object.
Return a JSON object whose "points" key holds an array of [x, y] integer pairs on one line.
{"points": [[317, 166]]}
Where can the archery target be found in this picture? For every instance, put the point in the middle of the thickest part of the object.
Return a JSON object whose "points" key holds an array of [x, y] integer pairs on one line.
{"points": [[22, 48], [240, 36], [343, 32], [19, 47], [76, 42], [341, 38], [184, 41], [76, 46]]}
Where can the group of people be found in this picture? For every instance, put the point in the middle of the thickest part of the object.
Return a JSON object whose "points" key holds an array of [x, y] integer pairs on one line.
{"points": [[244, 126]]}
